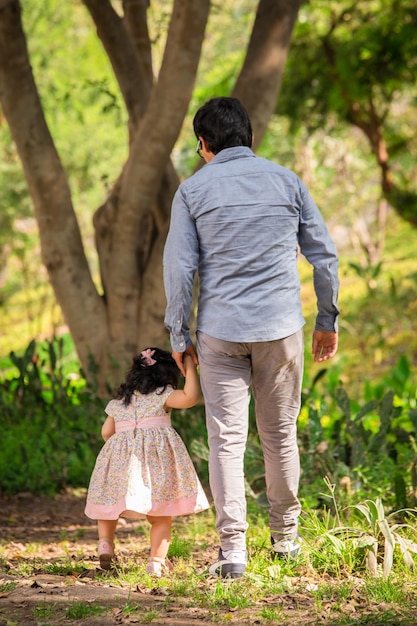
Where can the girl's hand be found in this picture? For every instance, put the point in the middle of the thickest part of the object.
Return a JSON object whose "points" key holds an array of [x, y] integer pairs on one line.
{"points": [[179, 358], [189, 364], [190, 395]]}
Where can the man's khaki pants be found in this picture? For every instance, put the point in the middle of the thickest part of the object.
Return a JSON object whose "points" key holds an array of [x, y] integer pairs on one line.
{"points": [[273, 370]]}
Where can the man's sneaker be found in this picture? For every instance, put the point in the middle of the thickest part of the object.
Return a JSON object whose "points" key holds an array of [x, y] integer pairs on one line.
{"points": [[230, 564], [287, 547]]}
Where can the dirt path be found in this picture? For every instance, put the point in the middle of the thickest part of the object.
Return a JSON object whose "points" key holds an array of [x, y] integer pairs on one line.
{"points": [[43, 543], [41, 532]]}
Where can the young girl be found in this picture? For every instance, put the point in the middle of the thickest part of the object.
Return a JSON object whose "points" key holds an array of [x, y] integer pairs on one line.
{"points": [[143, 469]]}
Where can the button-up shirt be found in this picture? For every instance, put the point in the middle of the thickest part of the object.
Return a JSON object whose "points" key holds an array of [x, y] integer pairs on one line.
{"points": [[239, 222]]}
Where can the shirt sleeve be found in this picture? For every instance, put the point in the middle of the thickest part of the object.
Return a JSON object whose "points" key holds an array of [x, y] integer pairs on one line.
{"points": [[180, 266], [318, 248], [165, 395], [111, 408]]}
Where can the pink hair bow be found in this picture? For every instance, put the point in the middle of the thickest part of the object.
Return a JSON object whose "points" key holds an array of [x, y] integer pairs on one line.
{"points": [[147, 357]]}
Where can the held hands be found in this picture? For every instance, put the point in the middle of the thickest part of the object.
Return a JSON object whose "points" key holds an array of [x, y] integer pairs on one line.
{"points": [[324, 345], [190, 395], [181, 359]]}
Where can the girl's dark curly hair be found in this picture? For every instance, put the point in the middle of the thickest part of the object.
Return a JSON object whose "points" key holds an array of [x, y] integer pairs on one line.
{"points": [[147, 378]]}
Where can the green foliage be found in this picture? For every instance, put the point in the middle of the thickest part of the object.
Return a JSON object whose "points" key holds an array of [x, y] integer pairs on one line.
{"points": [[64, 568], [79, 93], [50, 424], [191, 426], [51, 421], [356, 64], [367, 444], [372, 537], [180, 547], [381, 537], [8, 587], [45, 611], [385, 591], [407, 200], [344, 56]]}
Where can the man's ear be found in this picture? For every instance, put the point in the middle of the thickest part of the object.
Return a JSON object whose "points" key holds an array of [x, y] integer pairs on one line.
{"points": [[206, 152], [205, 144]]}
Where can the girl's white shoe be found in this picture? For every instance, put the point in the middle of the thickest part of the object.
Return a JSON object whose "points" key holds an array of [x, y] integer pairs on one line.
{"points": [[158, 566]]}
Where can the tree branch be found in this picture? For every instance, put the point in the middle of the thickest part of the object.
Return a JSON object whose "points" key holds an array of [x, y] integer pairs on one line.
{"points": [[149, 159], [260, 78], [136, 22], [168, 104], [134, 84], [61, 244]]}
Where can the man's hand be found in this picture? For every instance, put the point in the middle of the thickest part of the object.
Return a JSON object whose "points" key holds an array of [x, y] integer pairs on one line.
{"points": [[324, 345], [179, 358]]}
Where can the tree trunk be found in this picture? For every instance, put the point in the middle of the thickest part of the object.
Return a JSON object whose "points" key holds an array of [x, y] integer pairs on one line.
{"points": [[61, 244], [260, 78], [136, 221], [109, 324]]}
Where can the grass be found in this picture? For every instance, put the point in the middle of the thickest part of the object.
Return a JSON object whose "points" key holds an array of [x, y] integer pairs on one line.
{"points": [[180, 547], [7, 587], [273, 591], [64, 568], [268, 614], [45, 611], [149, 616], [81, 610]]}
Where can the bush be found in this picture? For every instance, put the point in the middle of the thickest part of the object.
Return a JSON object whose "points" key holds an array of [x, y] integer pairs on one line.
{"points": [[366, 444], [50, 424]]}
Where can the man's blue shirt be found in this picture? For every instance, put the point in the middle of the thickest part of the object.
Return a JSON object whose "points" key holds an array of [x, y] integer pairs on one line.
{"points": [[239, 223]]}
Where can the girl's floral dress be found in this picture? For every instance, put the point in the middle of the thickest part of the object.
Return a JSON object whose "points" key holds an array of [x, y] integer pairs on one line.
{"points": [[144, 468]]}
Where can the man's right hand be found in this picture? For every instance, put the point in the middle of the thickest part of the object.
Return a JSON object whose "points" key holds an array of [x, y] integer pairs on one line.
{"points": [[324, 345], [179, 358]]}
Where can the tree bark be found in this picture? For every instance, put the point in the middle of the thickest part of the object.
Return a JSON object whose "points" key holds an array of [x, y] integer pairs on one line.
{"points": [[134, 223], [260, 78], [61, 244], [136, 22], [132, 75], [131, 225]]}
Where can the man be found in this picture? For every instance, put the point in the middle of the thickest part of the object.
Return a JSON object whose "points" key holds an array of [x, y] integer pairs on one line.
{"points": [[239, 222]]}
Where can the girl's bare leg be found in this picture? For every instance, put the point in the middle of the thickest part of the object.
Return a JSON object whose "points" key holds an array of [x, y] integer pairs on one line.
{"points": [[160, 535], [106, 528]]}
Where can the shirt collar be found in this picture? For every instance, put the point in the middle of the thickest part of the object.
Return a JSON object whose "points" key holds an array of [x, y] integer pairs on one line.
{"points": [[229, 154]]}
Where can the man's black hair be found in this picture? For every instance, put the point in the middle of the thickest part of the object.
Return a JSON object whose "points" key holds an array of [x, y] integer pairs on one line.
{"points": [[223, 123]]}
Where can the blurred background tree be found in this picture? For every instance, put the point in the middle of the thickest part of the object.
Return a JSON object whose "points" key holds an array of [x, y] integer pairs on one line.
{"points": [[353, 66], [111, 315], [106, 123]]}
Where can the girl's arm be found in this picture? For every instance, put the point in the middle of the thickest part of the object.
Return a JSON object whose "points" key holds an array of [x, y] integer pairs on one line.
{"points": [[108, 429], [190, 395]]}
